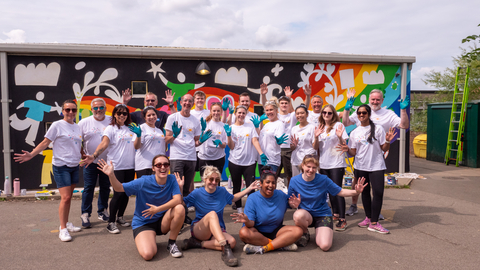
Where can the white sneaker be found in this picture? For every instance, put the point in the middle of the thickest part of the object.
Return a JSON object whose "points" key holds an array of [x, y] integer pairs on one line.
{"points": [[122, 222], [64, 235], [72, 228], [191, 209], [240, 210]]}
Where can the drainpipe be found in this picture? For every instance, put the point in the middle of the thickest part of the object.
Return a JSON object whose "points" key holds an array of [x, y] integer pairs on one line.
{"points": [[7, 159], [403, 94]]}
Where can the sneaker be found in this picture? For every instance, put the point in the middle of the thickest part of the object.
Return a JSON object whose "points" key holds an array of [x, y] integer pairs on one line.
{"points": [[335, 218], [122, 222], [352, 210], [378, 228], [191, 242], [174, 251], [364, 223], [234, 206], [381, 217], [191, 209], [85, 220], [103, 216], [112, 228], [64, 235], [341, 225], [72, 228], [291, 247], [251, 249], [303, 241]]}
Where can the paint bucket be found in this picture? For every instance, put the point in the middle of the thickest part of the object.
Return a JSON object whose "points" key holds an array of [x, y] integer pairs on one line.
{"points": [[391, 180], [348, 181], [23, 192]]}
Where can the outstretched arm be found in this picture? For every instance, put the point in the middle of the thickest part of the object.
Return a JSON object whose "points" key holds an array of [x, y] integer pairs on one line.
{"points": [[26, 156]]}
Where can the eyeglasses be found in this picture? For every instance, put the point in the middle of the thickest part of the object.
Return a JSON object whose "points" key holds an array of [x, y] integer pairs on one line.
{"points": [[212, 179], [70, 110], [361, 112], [327, 113], [101, 108], [160, 165], [122, 113]]}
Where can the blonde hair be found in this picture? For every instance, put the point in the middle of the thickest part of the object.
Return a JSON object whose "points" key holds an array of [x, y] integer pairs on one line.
{"points": [[308, 159], [208, 171]]}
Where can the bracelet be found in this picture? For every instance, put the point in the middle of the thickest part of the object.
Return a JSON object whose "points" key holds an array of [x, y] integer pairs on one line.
{"points": [[387, 141], [94, 157]]}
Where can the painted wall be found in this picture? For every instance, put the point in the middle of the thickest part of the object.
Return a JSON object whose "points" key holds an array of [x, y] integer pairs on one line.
{"points": [[39, 85]]}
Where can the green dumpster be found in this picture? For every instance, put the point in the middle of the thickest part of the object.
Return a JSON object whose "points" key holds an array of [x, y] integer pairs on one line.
{"points": [[438, 122]]}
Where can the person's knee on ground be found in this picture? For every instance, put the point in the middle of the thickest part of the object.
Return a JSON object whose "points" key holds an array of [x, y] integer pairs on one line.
{"points": [[323, 244]]}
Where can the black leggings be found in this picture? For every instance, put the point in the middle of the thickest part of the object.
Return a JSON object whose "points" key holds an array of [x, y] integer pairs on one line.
{"points": [[337, 202], [219, 163], [236, 172], [119, 202], [376, 182], [143, 172]]}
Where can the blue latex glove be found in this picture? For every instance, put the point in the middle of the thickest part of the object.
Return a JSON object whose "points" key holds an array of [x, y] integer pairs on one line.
{"points": [[225, 104], [205, 136], [263, 117], [203, 123], [281, 139], [228, 130], [349, 104], [231, 109], [256, 121], [135, 129], [176, 129], [405, 102], [264, 159], [179, 106], [217, 143]]}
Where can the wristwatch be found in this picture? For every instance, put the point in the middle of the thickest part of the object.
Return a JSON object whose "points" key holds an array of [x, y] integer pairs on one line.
{"points": [[170, 105]]}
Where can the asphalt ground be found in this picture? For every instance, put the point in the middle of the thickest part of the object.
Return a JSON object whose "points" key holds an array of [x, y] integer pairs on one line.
{"points": [[433, 225]]}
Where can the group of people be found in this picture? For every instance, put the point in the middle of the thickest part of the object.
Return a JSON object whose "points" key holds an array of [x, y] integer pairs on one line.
{"points": [[311, 153]]}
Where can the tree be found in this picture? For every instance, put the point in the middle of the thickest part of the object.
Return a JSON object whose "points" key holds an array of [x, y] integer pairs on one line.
{"points": [[474, 54]]}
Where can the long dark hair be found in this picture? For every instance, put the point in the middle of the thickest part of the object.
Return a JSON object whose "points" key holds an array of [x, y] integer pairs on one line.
{"points": [[266, 171], [371, 137], [120, 107]]}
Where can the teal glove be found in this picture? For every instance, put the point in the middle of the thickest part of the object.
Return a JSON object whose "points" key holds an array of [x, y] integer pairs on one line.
{"points": [[264, 159], [231, 109], [175, 129], [349, 104], [217, 142], [228, 130], [256, 121], [203, 123], [281, 139], [205, 136], [263, 117], [225, 104], [179, 106], [135, 129], [405, 103]]}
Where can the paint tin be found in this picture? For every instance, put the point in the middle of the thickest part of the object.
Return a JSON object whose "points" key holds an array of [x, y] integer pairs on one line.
{"points": [[391, 180], [348, 181], [23, 192]]}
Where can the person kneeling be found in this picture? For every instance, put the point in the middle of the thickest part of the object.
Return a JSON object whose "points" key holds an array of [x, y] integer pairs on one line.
{"points": [[263, 218], [150, 220]]}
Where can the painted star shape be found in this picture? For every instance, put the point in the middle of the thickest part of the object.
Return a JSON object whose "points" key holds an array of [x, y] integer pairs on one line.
{"points": [[155, 69]]}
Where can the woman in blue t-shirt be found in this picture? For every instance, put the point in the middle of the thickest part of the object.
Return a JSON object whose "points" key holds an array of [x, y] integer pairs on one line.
{"points": [[263, 229], [309, 193], [208, 228]]}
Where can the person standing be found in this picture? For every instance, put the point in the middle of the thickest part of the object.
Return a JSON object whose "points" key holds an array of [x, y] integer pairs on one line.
{"points": [[317, 105], [303, 142]]}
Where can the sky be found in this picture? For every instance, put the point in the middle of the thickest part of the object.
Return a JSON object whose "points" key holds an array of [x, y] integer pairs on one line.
{"points": [[431, 31]]}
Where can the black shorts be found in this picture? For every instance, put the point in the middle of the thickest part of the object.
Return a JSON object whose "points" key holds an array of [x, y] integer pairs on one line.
{"points": [[155, 226], [324, 221], [271, 235]]}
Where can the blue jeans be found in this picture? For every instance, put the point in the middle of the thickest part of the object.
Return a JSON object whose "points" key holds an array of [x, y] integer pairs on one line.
{"points": [[90, 175]]}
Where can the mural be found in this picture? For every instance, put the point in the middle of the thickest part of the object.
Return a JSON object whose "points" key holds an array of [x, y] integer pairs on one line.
{"points": [[39, 88]]}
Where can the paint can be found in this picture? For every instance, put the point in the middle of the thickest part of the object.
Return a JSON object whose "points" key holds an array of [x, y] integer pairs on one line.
{"points": [[348, 181], [391, 180]]}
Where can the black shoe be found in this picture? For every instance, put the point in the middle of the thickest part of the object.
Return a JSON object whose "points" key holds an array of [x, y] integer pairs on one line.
{"points": [[234, 206], [303, 241], [187, 220], [191, 243], [227, 256]]}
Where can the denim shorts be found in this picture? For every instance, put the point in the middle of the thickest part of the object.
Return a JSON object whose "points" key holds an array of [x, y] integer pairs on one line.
{"points": [[65, 176]]}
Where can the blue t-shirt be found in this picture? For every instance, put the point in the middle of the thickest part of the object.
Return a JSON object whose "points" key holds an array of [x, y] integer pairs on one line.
{"points": [[149, 191], [313, 194], [266, 212], [205, 202]]}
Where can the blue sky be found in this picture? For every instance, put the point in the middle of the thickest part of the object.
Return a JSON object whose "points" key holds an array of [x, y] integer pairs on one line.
{"points": [[429, 30]]}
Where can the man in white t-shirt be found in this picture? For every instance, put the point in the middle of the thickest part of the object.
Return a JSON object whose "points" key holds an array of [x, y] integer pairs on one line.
{"points": [[380, 116], [92, 129], [317, 105], [244, 100], [199, 112]]}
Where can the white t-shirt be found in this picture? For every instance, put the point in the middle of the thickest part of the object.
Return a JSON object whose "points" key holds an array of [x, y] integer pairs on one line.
{"points": [[183, 147], [121, 150], [313, 118], [306, 137], [244, 153], [290, 120], [92, 133], [247, 118], [369, 156], [383, 117], [153, 143], [330, 157], [199, 114], [208, 150], [67, 143], [268, 143]]}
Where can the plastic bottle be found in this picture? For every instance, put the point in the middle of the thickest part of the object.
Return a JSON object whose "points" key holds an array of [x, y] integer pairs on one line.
{"points": [[7, 187], [16, 187], [229, 182]]}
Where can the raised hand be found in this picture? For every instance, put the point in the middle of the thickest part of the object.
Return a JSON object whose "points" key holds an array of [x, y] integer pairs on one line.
{"points": [[263, 117], [169, 97], [351, 93], [350, 100], [263, 159], [240, 217], [256, 121], [179, 106], [342, 147], [180, 180], [360, 186], [280, 140], [294, 141], [205, 136], [288, 91], [294, 201], [231, 109], [319, 130], [126, 95], [228, 130], [176, 129], [135, 129], [203, 123], [339, 131], [225, 104], [150, 212], [405, 103], [106, 168], [255, 185], [217, 142], [391, 134], [263, 89], [307, 89]]}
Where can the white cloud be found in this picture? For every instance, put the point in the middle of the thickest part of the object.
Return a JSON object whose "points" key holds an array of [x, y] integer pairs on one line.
{"points": [[14, 36], [270, 36], [167, 6]]}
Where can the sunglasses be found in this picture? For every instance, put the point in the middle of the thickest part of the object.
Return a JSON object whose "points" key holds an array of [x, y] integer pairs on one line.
{"points": [[99, 108], [122, 113], [160, 165], [212, 179], [121, 105], [311, 156], [361, 113], [150, 100], [327, 113], [68, 110]]}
